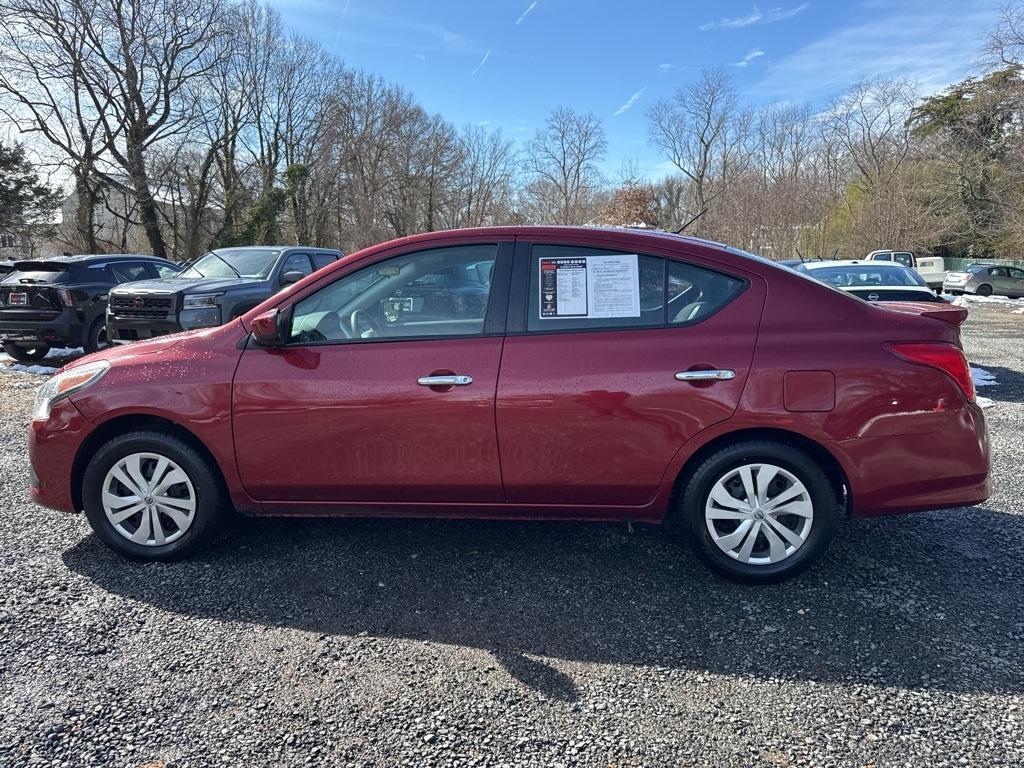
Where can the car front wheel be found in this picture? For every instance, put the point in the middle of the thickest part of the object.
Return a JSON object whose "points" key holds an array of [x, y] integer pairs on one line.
{"points": [[26, 354], [149, 495], [759, 511]]}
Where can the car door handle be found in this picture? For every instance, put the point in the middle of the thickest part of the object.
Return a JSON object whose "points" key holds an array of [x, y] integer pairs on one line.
{"points": [[721, 375], [455, 380]]}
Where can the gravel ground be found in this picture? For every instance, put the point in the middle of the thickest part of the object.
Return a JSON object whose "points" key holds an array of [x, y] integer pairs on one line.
{"points": [[364, 643]]}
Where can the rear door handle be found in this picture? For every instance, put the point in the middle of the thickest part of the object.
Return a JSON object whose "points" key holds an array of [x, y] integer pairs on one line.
{"points": [[720, 375], [455, 380]]}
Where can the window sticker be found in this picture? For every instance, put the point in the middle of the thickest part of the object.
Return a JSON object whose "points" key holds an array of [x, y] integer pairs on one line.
{"points": [[590, 286]]}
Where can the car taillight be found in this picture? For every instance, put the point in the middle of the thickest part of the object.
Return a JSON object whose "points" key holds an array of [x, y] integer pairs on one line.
{"points": [[65, 297], [948, 358]]}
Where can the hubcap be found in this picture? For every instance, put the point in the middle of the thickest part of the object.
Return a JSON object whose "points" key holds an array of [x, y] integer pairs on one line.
{"points": [[759, 514], [149, 499]]}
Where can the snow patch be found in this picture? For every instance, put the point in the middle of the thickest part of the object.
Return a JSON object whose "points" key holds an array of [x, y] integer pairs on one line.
{"points": [[982, 378], [42, 370], [984, 402], [967, 299]]}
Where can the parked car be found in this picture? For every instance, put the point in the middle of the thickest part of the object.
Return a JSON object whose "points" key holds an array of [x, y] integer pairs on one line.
{"points": [[215, 288], [931, 268], [609, 375], [795, 262], [986, 280], [62, 301], [872, 281]]}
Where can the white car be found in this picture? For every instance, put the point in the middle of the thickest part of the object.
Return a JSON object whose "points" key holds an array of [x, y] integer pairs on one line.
{"points": [[931, 268], [872, 280]]}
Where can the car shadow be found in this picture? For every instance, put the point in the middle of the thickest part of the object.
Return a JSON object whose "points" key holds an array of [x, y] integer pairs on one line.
{"points": [[1009, 386], [904, 602]]}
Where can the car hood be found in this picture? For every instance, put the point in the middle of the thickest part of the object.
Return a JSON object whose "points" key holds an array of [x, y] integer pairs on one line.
{"points": [[126, 352], [183, 285]]}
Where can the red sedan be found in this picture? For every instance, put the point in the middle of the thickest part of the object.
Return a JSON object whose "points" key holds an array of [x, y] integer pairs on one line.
{"points": [[532, 373]]}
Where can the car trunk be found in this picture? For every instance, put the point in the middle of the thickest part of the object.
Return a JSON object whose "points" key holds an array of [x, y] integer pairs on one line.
{"points": [[30, 293]]}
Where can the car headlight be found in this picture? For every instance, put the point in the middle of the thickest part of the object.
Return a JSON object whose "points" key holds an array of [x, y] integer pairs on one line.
{"points": [[201, 302], [66, 383]]}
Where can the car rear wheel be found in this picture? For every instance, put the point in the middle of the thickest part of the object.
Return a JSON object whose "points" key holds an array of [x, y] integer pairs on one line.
{"points": [[97, 338], [26, 354], [759, 511], [149, 495], [984, 290]]}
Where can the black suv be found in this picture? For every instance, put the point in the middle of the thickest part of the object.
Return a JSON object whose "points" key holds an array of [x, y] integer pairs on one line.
{"points": [[213, 289], [62, 301]]}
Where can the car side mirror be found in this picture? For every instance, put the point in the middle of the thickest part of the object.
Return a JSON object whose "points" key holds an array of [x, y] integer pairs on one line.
{"points": [[292, 276], [269, 329]]}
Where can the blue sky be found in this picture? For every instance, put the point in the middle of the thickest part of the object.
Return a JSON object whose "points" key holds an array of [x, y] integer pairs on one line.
{"points": [[507, 63]]}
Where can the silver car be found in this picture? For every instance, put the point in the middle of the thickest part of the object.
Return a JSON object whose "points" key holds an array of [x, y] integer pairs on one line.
{"points": [[986, 280]]}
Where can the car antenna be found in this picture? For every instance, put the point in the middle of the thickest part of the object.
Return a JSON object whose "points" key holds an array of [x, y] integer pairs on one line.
{"points": [[802, 259], [699, 214], [835, 254]]}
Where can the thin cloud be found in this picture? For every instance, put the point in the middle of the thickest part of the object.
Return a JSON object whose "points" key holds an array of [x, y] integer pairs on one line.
{"points": [[344, 11], [664, 69], [629, 102], [922, 42], [481, 64], [526, 13], [756, 16], [420, 56], [745, 61]]}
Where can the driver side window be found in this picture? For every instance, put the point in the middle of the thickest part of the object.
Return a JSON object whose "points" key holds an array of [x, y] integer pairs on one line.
{"points": [[438, 292]]}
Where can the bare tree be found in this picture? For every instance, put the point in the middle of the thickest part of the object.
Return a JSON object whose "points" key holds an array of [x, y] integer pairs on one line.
{"points": [[869, 126], [1005, 44], [145, 56], [562, 166], [484, 181], [699, 131], [45, 90]]}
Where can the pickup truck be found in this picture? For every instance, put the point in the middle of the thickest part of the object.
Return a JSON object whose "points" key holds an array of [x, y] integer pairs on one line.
{"points": [[213, 289], [931, 268]]}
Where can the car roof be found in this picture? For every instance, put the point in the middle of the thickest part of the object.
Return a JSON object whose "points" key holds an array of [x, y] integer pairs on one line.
{"points": [[84, 257], [854, 262], [278, 248]]}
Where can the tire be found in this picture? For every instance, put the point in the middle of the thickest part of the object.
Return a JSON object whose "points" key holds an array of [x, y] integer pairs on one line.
{"points": [[181, 529], [984, 290], [786, 468], [97, 338], [24, 354]]}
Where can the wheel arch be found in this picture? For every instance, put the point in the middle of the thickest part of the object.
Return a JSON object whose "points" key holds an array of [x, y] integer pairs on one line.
{"points": [[826, 459], [97, 312], [120, 425]]}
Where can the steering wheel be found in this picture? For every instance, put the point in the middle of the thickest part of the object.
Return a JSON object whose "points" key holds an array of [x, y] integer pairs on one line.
{"points": [[363, 326]]}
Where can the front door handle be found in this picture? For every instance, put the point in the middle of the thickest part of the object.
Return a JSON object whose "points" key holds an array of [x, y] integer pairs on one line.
{"points": [[721, 375], [454, 380]]}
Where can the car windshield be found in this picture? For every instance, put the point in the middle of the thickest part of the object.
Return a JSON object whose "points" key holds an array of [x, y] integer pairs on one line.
{"points": [[233, 262], [865, 275]]}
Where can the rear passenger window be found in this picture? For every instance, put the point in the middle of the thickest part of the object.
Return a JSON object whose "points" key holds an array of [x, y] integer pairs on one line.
{"points": [[577, 288], [126, 272], [297, 262], [573, 287], [321, 260]]}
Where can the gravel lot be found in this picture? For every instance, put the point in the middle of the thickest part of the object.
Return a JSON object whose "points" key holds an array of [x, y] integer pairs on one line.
{"points": [[340, 643]]}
